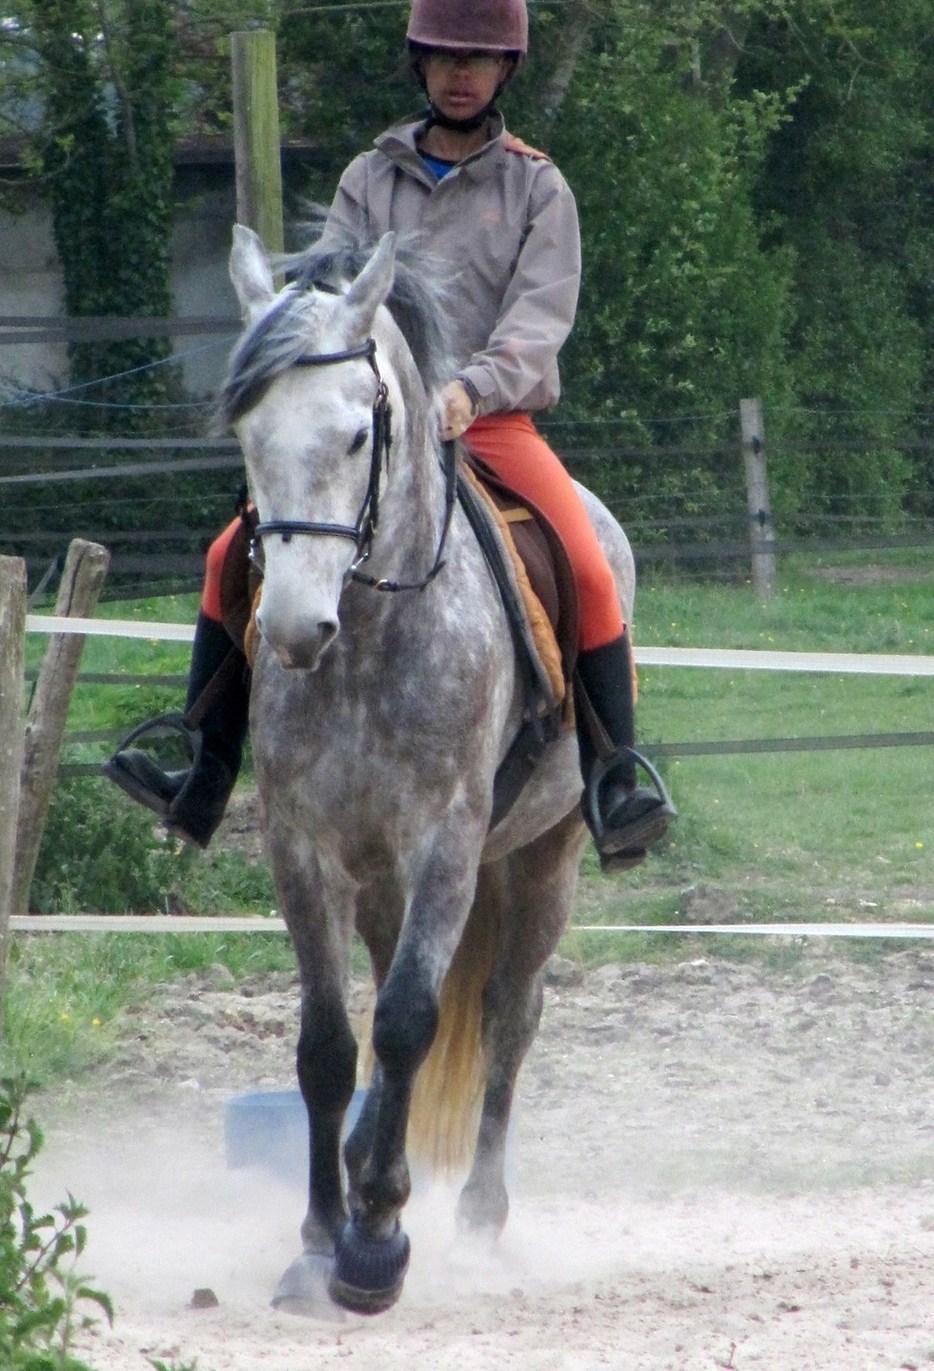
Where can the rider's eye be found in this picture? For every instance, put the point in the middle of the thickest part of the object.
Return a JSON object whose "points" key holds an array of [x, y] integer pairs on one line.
{"points": [[358, 442]]}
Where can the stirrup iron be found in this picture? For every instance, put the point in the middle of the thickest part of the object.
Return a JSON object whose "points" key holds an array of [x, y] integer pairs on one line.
{"points": [[136, 786], [657, 819]]}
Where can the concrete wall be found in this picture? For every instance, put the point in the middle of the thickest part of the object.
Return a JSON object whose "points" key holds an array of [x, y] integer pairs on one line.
{"points": [[31, 284]]}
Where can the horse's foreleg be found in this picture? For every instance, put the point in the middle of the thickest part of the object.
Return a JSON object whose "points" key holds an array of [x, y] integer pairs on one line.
{"points": [[373, 1251], [531, 893], [326, 1062], [372, 1254]]}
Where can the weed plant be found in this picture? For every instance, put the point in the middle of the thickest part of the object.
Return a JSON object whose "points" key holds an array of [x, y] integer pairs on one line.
{"points": [[42, 1296], [101, 854], [103, 858]]}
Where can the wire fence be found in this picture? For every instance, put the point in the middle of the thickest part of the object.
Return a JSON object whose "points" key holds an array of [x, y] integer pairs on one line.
{"points": [[158, 491], [156, 503], [154, 486], [704, 658]]}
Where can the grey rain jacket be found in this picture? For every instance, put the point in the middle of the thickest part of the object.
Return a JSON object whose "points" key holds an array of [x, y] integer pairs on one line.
{"points": [[506, 219]]}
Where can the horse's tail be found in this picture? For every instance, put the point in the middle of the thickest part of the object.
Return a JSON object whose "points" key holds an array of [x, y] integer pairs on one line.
{"points": [[449, 1086]]}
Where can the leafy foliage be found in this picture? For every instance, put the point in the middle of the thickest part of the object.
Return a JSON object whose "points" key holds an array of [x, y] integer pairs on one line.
{"points": [[754, 182], [104, 857], [682, 309], [40, 1292], [840, 186], [104, 76]]}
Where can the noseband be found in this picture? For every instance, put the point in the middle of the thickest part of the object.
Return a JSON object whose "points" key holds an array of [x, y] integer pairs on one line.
{"points": [[362, 533]]}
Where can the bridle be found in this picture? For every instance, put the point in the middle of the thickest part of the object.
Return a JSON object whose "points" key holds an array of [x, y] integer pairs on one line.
{"points": [[363, 532]]}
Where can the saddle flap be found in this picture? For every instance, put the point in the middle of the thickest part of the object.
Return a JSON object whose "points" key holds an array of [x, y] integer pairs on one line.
{"points": [[543, 575]]}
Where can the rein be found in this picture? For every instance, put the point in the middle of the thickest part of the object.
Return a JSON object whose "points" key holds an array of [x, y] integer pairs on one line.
{"points": [[364, 530]]}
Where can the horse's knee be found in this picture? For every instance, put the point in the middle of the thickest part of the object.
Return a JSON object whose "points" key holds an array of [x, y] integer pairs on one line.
{"points": [[327, 1066], [404, 1025]]}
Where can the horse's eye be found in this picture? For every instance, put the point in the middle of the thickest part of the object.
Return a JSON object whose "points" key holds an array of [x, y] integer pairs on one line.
{"points": [[358, 442]]}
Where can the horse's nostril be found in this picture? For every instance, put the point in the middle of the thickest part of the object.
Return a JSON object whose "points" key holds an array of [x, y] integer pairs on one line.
{"points": [[299, 650]]}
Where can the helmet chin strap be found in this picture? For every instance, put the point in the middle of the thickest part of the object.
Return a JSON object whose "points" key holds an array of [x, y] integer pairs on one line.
{"points": [[435, 118]]}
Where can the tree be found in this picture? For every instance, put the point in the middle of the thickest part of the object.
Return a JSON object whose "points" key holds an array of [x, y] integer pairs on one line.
{"points": [[683, 310], [846, 186]]}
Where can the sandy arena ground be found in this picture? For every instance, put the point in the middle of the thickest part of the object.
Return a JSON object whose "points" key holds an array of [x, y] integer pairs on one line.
{"points": [[715, 1165]]}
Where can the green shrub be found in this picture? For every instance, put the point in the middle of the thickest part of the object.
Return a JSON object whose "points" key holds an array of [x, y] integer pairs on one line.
{"points": [[40, 1291], [103, 856]]}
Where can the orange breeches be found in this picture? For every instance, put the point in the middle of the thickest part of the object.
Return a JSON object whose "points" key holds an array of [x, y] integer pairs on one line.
{"points": [[512, 446], [211, 594]]}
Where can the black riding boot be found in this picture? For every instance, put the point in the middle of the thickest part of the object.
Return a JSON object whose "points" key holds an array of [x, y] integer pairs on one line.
{"points": [[193, 798], [624, 817]]}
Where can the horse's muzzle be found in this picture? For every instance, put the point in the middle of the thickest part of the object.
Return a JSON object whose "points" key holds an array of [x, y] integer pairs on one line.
{"points": [[301, 652]]}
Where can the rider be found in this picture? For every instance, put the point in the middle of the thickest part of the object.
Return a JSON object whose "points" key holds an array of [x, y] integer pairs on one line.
{"points": [[505, 215]]}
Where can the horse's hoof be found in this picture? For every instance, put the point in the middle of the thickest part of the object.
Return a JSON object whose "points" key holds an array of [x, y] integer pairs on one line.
{"points": [[369, 1273], [303, 1289], [483, 1210]]}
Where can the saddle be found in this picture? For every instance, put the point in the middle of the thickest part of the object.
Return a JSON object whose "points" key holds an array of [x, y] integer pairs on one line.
{"points": [[539, 566], [533, 575]]}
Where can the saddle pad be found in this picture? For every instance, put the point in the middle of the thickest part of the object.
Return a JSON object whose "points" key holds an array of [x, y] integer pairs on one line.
{"points": [[542, 574]]}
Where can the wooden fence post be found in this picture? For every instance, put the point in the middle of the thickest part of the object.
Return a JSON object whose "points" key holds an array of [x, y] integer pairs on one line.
{"points": [[257, 149], [761, 530], [12, 629], [83, 576]]}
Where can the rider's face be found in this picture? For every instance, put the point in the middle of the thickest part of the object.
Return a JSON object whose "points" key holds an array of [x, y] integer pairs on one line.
{"points": [[461, 84]]}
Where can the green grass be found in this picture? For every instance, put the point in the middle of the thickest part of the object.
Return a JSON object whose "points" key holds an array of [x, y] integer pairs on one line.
{"points": [[790, 835], [785, 836], [69, 995]]}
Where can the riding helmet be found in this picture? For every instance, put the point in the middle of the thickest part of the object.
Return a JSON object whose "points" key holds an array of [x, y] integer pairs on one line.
{"points": [[493, 25]]}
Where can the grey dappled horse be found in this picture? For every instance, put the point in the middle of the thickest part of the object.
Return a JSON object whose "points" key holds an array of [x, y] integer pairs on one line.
{"points": [[378, 721]]}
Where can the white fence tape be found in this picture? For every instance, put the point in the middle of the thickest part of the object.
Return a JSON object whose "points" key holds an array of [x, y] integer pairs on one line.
{"points": [[722, 659], [815, 930], [173, 923], [110, 628], [726, 659], [144, 923], [844, 663]]}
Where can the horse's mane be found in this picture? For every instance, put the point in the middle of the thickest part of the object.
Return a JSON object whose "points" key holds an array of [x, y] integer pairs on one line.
{"points": [[417, 303]]}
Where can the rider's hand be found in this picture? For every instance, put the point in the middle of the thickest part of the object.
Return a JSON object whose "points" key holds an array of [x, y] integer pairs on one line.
{"points": [[459, 410]]}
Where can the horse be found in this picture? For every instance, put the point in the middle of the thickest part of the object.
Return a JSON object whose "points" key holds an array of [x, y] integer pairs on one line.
{"points": [[385, 693]]}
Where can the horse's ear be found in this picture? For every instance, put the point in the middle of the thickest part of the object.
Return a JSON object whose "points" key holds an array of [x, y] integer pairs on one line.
{"points": [[249, 270], [370, 288]]}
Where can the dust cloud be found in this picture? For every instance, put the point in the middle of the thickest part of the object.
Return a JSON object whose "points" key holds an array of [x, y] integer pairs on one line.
{"points": [[714, 1165]]}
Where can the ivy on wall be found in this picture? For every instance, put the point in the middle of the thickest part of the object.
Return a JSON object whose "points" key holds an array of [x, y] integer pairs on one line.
{"points": [[106, 160]]}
